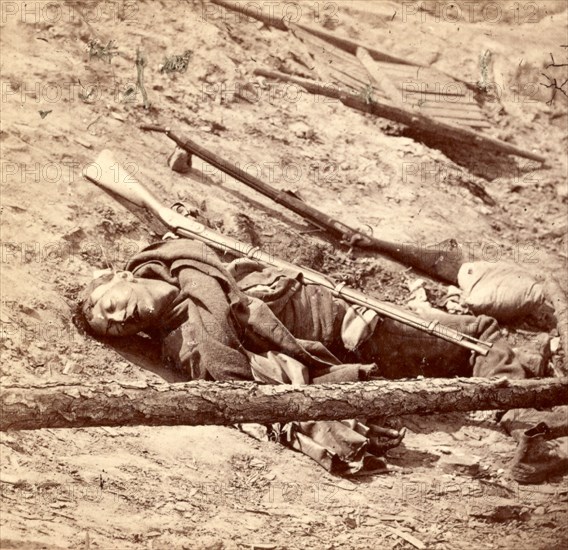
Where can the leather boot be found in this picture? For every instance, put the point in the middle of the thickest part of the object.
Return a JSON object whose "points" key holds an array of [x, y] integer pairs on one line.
{"points": [[536, 457]]}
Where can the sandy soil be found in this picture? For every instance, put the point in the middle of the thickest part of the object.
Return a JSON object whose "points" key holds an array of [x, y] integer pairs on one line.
{"points": [[212, 487]]}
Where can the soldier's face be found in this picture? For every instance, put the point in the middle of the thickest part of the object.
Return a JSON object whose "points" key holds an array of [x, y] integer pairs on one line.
{"points": [[126, 305]]}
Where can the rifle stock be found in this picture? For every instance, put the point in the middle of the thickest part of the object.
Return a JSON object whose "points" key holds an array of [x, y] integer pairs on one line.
{"points": [[107, 174], [441, 261]]}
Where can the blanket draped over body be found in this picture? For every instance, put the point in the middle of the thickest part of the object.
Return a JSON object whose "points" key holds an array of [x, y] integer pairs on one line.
{"points": [[246, 321]]}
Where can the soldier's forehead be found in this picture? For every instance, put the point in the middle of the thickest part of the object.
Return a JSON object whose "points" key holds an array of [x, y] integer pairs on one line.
{"points": [[101, 289]]}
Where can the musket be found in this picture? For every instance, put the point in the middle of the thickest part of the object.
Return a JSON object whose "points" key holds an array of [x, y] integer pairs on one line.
{"points": [[109, 175], [441, 261]]}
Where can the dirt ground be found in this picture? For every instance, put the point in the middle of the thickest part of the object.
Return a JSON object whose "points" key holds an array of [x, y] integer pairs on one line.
{"points": [[65, 97]]}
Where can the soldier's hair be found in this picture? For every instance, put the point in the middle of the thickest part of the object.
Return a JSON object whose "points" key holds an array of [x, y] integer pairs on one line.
{"points": [[83, 307]]}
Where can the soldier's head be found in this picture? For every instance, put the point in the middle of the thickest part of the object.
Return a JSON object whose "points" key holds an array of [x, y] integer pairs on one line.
{"points": [[120, 304]]}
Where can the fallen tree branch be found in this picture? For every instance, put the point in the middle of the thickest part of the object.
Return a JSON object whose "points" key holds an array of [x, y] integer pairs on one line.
{"points": [[72, 405]]}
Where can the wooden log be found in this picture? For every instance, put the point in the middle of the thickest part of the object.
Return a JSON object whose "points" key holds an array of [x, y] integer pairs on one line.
{"points": [[258, 14], [476, 124], [420, 122], [281, 23], [72, 405], [556, 295]]}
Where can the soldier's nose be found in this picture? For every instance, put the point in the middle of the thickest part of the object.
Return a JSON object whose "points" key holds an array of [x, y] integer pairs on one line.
{"points": [[116, 315], [112, 308]]}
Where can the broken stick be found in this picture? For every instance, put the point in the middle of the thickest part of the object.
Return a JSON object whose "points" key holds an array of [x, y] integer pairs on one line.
{"points": [[73, 405]]}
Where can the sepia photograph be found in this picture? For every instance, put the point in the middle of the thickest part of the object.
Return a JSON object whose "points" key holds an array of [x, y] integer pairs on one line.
{"points": [[284, 275]]}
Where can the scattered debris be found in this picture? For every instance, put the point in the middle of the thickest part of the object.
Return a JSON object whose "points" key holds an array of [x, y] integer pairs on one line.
{"points": [[93, 122], [500, 509], [83, 143], [104, 53], [459, 462], [417, 543], [176, 63], [418, 297], [75, 236], [140, 64], [301, 130]]}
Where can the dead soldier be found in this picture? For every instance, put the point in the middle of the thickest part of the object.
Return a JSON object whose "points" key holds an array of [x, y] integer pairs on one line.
{"points": [[244, 321]]}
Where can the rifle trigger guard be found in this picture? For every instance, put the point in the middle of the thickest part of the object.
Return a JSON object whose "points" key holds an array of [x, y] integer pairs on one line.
{"points": [[337, 290], [181, 208], [169, 236]]}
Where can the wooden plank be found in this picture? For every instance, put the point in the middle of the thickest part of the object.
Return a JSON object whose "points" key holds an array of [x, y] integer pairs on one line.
{"points": [[364, 82], [419, 73], [322, 44], [437, 88], [361, 81], [464, 113], [426, 96], [350, 46], [321, 67], [346, 80], [470, 106], [343, 69], [322, 49], [410, 70], [421, 96], [448, 113], [354, 71], [355, 85], [378, 78], [459, 121]]}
